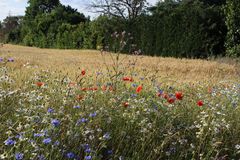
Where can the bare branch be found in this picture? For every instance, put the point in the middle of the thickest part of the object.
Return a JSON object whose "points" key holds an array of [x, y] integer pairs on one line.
{"points": [[126, 9]]}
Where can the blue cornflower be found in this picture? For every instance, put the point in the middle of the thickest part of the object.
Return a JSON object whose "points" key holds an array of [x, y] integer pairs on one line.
{"points": [[88, 150], [76, 107], [84, 120], [55, 122], [86, 146], [93, 114], [106, 136], [38, 134], [31, 141], [19, 136], [134, 85], [47, 140], [56, 143], [70, 155], [50, 110], [109, 152], [9, 142], [133, 95], [160, 91], [88, 157], [1, 59], [41, 157], [19, 156], [171, 95]]}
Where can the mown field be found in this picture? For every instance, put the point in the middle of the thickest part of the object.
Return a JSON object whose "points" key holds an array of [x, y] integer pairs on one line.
{"points": [[86, 104]]}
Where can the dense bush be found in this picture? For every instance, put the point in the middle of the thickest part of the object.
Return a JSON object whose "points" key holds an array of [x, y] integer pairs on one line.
{"points": [[182, 30], [232, 11]]}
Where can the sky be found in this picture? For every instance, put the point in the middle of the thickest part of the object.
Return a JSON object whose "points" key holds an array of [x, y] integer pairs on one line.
{"points": [[17, 7]]}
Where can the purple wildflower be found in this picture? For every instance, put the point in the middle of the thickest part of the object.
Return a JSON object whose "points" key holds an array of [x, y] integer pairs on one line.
{"points": [[88, 157], [76, 107], [109, 152], [55, 122], [88, 150], [83, 120], [50, 110], [10, 60], [134, 85], [70, 155], [19, 136], [56, 143], [106, 136], [9, 142], [47, 140], [93, 114], [38, 134], [19, 156], [86, 146], [133, 95], [41, 157]]}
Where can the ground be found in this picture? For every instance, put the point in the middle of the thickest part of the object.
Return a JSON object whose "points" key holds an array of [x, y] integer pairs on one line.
{"points": [[179, 70]]}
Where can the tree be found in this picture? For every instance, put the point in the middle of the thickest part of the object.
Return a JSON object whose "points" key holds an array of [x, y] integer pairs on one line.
{"points": [[37, 7], [10, 23], [232, 11], [43, 19], [1, 32], [10, 27], [126, 9]]}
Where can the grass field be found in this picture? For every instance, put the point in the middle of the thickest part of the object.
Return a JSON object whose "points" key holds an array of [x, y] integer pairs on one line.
{"points": [[180, 70], [84, 104]]}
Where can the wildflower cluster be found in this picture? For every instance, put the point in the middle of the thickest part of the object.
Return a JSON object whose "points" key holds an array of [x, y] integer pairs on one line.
{"points": [[48, 117]]}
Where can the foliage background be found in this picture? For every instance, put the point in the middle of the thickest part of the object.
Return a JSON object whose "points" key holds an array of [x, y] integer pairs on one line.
{"points": [[187, 28]]}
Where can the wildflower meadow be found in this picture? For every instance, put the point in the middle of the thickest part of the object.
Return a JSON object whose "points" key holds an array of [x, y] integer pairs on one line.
{"points": [[115, 108]]}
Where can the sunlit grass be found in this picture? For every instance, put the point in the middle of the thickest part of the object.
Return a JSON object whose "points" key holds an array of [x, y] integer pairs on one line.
{"points": [[71, 104]]}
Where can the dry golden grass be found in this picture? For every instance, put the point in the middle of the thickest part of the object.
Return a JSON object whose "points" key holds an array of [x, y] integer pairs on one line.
{"points": [[69, 62]]}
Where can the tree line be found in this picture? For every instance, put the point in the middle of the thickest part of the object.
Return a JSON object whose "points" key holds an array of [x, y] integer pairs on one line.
{"points": [[176, 28]]}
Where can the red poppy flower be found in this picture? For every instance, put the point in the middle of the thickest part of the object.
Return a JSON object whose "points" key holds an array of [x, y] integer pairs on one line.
{"points": [[71, 84], [39, 84], [139, 88], [128, 79], [84, 89], [171, 100], [179, 95], [125, 104], [111, 88], [79, 97], [104, 88], [200, 103], [93, 89], [83, 72], [209, 90], [90, 89], [158, 94], [165, 96]]}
